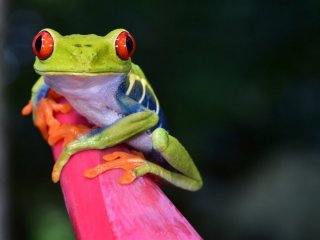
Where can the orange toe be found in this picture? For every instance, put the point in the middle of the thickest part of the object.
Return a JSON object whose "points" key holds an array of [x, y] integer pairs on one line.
{"points": [[26, 110], [61, 107], [55, 175], [128, 177]]}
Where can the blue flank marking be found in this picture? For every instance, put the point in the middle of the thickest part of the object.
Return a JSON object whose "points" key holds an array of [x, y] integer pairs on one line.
{"points": [[129, 103], [42, 93], [149, 101], [136, 91]]}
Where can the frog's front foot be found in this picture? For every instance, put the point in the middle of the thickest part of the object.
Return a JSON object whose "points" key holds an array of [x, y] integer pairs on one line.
{"points": [[44, 115], [119, 160], [67, 132]]}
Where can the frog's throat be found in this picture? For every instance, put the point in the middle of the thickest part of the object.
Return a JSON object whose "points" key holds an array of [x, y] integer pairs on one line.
{"points": [[93, 97]]}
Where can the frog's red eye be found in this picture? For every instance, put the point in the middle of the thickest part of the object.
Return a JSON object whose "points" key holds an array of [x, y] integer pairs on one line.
{"points": [[125, 45], [42, 45]]}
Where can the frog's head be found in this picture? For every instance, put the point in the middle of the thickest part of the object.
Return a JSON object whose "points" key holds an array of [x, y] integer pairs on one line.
{"points": [[83, 54]]}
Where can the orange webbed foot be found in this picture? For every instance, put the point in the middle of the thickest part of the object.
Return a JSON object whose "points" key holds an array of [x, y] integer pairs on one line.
{"points": [[44, 115], [67, 132], [119, 160]]}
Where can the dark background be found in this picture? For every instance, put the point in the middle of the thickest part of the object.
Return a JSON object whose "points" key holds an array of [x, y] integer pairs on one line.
{"points": [[239, 82]]}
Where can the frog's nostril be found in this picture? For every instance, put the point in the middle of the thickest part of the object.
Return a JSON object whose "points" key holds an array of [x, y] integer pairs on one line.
{"points": [[78, 45]]}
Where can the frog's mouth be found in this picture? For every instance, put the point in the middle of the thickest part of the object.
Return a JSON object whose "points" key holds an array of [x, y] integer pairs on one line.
{"points": [[80, 74]]}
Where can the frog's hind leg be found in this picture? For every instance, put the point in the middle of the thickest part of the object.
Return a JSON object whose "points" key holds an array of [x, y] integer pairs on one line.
{"points": [[187, 177]]}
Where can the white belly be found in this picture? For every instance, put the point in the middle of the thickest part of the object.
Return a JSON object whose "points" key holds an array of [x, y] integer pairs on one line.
{"points": [[94, 111]]}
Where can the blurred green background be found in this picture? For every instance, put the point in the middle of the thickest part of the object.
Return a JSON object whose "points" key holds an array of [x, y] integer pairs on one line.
{"points": [[239, 83]]}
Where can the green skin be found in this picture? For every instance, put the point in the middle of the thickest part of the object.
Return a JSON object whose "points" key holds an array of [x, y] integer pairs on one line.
{"points": [[66, 61]]}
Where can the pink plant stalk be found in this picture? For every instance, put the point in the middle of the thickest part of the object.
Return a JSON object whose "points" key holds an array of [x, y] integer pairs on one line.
{"points": [[101, 208]]}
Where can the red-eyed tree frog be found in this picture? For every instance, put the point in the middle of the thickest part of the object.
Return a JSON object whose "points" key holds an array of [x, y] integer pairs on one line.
{"points": [[96, 76]]}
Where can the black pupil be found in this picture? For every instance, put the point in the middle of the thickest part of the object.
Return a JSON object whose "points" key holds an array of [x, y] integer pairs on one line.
{"points": [[38, 43], [129, 44]]}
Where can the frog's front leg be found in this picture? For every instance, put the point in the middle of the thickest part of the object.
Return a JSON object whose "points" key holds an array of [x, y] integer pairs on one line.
{"points": [[187, 177], [119, 132]]}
